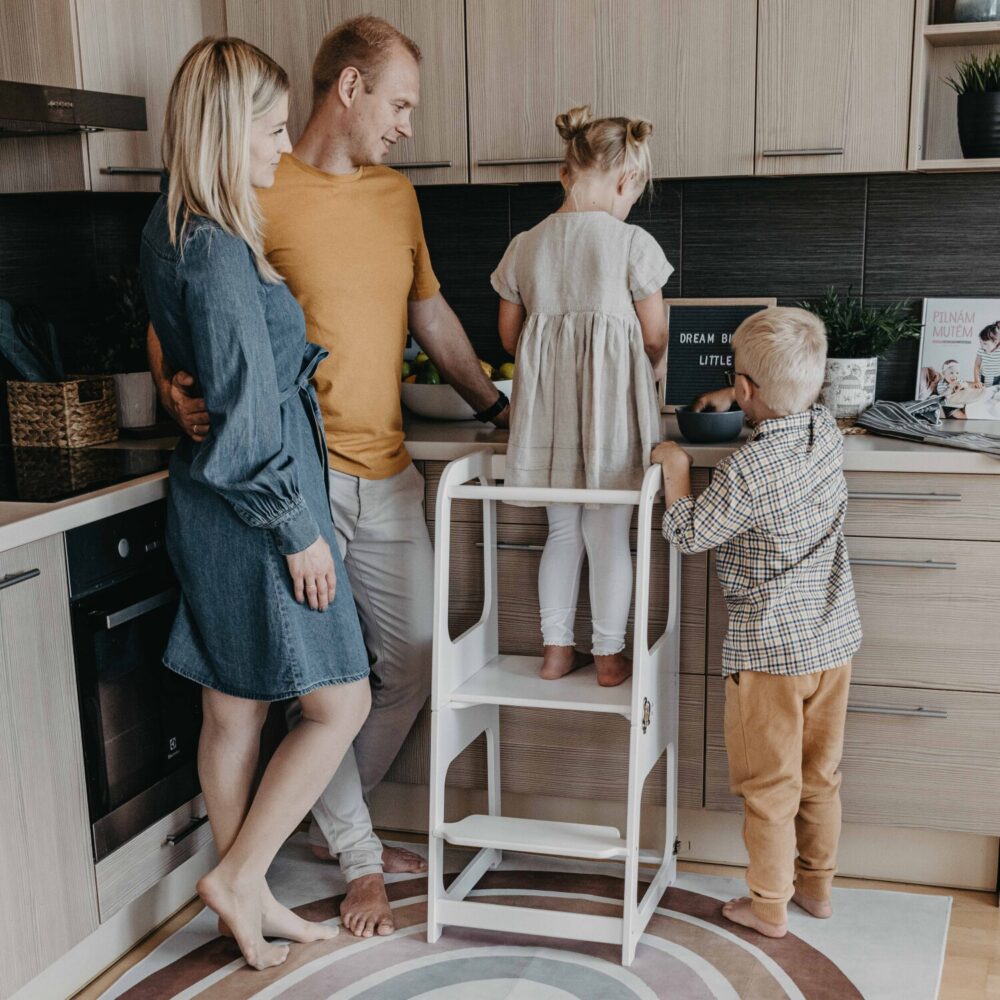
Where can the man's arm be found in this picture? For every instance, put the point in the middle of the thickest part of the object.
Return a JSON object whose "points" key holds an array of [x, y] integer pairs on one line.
{"points": [[439, 332], [188, 411]]}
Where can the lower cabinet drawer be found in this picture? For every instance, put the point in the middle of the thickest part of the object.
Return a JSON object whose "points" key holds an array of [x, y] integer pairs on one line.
{"points": [[567, 754], [912, 757], [150, 856]]}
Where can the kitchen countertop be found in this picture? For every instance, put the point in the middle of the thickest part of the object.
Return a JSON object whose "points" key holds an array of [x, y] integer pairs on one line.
{"points": [[442, 441]]}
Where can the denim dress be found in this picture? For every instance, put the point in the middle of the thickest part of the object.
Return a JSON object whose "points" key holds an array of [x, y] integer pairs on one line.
{"points": [[256, 488]]}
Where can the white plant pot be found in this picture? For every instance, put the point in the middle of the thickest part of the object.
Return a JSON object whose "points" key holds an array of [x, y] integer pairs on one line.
{"points": [[849, 386], [136, 397]]}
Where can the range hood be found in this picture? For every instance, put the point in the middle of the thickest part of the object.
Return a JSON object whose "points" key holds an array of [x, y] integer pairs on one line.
{"points": [[31, 109]]}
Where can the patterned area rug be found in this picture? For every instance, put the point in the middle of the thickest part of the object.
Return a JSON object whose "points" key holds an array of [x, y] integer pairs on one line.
{"points": [[878, 946]]}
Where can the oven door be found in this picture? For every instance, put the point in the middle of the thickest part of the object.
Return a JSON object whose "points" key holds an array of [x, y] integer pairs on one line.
{"points": [[140, 721]]}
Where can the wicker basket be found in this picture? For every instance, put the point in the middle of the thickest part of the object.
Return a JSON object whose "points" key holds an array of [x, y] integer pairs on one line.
{"points": [[72, 414]]}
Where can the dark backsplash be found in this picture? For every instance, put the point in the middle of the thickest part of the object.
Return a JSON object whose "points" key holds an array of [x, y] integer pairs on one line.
{"points": [[889, 237]]}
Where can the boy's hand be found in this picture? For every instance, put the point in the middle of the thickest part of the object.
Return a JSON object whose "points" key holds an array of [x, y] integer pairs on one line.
{"points": [[672, 457], [717, 401]]}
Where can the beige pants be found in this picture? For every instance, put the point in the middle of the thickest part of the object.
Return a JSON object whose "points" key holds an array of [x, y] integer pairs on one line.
{"points": [[784, 737]]}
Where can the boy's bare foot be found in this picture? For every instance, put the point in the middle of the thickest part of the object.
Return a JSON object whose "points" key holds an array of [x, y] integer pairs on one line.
{"points": [[558, 661], [613, 670], [240, 906], [280, 922], [739, 912], [365, 910], [395, 860], [821, 908]]}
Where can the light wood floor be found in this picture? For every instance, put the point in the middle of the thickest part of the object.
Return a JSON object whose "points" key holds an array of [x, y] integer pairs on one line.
{"points": [[972, 957]]}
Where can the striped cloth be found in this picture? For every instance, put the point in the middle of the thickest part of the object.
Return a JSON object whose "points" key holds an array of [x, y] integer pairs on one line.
{"points": [[775, 511], [989, 365]]}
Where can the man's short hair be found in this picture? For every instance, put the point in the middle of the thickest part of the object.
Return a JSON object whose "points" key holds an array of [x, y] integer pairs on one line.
{"points": [[363, 42], [783, 349]]}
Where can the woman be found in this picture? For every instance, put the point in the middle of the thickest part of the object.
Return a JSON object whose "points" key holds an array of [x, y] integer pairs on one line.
{"points": [[266, 612]]}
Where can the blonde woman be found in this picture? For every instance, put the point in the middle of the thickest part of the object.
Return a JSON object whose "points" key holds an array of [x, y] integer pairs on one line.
{"points": [[266, 612], [582, 309]]}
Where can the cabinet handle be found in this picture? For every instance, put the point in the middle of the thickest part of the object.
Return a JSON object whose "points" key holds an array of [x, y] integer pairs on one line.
{"points": [[13, 579], [138, 171], [904, 563], [919, 713], [522, 161], [422, 165], [920, 497], [830, 151], [117, 618], [515, 546], [176, 838]]}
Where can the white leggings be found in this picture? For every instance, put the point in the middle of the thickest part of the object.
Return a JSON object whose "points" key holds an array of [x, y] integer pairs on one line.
{"points": [[603, 533]]}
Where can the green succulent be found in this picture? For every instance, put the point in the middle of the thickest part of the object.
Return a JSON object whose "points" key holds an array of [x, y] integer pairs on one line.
{"points": [[855, 330]]}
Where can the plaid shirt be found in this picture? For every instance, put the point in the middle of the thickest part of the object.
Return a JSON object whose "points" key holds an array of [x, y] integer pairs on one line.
{"points": [[775, 511]]}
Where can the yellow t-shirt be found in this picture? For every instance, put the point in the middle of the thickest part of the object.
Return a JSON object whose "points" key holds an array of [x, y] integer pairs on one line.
{"points": [[352, 250]]}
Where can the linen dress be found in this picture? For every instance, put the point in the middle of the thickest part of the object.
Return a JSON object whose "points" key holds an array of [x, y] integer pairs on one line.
{"points": [[256, 488], [584, 411]]}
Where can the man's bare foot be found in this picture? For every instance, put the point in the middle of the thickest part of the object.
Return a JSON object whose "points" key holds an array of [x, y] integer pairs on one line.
{"points": [[365, 910], [278, 921], [613, 670], [240, 906], [821, 908], [398, 860], [739, 912], [558, 661]]}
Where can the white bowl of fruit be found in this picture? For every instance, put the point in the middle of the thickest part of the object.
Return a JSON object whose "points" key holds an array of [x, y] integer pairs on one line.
{"points": [[424, 393]]}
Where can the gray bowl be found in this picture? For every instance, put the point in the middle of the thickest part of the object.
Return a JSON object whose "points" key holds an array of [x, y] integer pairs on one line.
{"points": [[709, 427]]}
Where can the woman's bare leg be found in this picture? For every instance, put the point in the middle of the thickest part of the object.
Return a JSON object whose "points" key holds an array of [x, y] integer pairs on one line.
{"points": [[296, 775]]}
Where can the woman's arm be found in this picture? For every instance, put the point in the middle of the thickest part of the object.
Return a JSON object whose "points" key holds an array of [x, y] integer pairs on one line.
{"points": [[510, 323], [653, 322], [977, 373]]}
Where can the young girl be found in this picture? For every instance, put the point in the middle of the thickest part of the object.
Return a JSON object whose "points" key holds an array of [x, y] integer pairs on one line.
{"points": [[582, 311]]}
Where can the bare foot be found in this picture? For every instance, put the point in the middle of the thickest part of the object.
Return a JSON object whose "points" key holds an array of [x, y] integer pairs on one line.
{"points": [[278, 921], [613, 670], [241, 908], [821, 908], [396, 860], [558, 661], [365, 910], [739, 912]]}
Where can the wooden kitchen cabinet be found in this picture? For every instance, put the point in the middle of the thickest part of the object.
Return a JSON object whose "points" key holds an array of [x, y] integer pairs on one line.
{"points": [[687, 66], [37, 46], [833, 85], [48, 902], [291, 32], [135, 47]]}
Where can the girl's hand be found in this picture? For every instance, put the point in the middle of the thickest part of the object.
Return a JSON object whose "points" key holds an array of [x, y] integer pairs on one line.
{"points": [[314, 578]]}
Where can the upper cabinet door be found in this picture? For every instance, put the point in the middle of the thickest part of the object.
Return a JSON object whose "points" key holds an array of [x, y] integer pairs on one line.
{"points": [[833, 85], [135, 47], [291, 32], [687, 66]]}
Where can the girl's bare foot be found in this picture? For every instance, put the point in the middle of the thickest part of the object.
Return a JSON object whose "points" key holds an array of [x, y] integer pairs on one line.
{"points": [[613, 670], [280, 922], [558, 661], [821, 908], [739, 912], [241, 908]]}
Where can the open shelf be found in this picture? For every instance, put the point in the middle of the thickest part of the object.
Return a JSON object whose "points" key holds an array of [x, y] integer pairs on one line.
{"points": [[535, 836], [982, 163], [514, 680], [974, 33]]}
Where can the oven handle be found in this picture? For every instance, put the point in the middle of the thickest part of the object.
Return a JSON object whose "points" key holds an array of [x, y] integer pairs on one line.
{"points": [[176, 838], [117, 618]]}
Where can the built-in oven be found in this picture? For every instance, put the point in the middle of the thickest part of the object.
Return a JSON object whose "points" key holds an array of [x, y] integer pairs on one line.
{"points": [[140, 721]]}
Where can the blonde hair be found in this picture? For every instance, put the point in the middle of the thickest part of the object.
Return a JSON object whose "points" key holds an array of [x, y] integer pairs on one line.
{"points": [[222, 85], [606, 144], [783, 349], [363, 42]]}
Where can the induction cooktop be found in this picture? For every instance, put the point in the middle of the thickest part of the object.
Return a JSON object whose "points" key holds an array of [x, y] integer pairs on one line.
{"points": [[47, 475]]}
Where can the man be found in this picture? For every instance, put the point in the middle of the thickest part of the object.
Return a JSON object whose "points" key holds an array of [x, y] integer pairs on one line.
{"points": [[346, 234]]}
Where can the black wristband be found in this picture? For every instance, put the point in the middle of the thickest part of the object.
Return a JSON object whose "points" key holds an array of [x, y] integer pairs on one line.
{"points": [[485, 416]]}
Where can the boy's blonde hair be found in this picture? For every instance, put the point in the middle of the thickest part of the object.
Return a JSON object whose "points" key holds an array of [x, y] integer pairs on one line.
{"points": [[606, 144], [783, 349], [222, 85]]}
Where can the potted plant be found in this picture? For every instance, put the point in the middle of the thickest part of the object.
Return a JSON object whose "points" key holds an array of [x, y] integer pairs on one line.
{"points": [[857, 335], [978, 89]]}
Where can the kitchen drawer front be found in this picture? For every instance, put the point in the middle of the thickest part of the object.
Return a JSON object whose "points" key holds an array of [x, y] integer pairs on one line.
{"points": [[921, 505], [150, 856], [517, 585], [936, 772], [922, 613], [568, 754]]}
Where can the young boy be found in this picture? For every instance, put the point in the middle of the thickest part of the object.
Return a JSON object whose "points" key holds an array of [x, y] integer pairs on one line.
{"points": [[775, 512]]}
